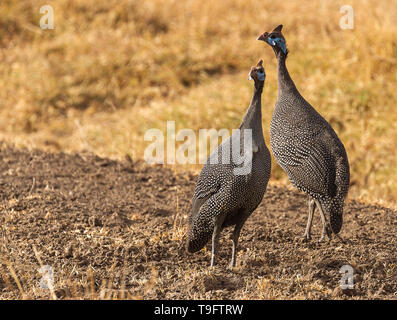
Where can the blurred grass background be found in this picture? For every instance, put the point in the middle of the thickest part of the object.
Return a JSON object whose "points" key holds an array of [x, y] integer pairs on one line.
{"points": [[113, 69]]}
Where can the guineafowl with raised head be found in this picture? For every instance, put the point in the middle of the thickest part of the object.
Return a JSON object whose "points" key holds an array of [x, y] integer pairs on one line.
{"points": [[228, 191], [306, 147]]}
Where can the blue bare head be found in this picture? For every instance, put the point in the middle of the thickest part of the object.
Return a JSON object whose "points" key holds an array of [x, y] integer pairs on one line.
{"points": [[276, 40], [257, 73]]}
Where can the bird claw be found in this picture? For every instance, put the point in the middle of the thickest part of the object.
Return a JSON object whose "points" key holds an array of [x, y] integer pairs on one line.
{"points": [[304, 240], [340, 238], [322, 239], [306, 237]]}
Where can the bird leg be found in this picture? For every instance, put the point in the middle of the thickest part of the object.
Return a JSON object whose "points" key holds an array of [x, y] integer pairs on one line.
{"points": [[312, 207], [215, 239], [326, 226], [234, 249], [235, 236]]}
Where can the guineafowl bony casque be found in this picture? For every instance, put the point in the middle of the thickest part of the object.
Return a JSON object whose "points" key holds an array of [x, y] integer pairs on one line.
{"points": [[225, 195], [306, 147]]}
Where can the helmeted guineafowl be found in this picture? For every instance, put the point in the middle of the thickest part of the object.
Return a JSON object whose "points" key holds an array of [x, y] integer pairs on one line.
{"points": [[306, 147], [226, 192]]}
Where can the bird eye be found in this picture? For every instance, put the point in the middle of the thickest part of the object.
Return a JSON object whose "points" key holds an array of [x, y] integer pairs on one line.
{"points": [[272, 36]]}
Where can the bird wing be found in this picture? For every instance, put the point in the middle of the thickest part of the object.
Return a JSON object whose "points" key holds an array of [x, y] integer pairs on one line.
{"points": [[309, 166], [207, 185]]}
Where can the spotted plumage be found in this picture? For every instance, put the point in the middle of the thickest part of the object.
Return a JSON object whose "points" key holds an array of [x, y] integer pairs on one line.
{"points": [[225, 194], [306, 146]]}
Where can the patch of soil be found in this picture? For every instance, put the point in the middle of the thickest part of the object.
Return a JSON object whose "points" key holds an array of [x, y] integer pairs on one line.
{"points": [[116, 229]]}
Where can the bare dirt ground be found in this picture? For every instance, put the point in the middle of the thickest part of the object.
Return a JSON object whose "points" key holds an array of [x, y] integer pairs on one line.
{"points": [[113, 229]]}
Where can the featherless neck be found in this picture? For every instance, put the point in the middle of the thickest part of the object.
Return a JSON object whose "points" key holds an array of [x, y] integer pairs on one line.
{"points": [[284, 79], [253, 116], [258, 88]]}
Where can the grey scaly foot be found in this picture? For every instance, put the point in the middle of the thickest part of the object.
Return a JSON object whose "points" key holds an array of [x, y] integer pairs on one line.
{"points": [[312, 207], [235, 236], [215, 240], [326, 225], [233, 260]]}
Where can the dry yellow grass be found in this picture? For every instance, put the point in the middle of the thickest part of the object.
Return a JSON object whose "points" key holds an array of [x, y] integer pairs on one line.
{"points": [[113, 69]]}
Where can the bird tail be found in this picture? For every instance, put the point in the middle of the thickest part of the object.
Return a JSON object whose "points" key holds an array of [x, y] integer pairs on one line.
{"points": [[200, 232], [334, 208], [336, 203]]}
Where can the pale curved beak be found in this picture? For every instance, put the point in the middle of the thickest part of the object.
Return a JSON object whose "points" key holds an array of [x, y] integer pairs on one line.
{"points": [[262, 37]]}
